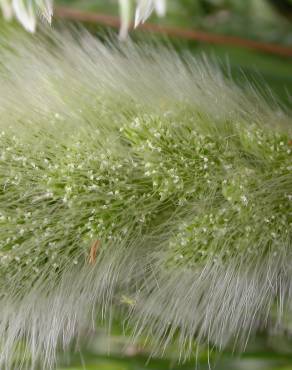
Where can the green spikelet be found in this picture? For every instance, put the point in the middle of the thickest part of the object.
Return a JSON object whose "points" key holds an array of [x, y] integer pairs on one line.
{"points": [[130, 174]]}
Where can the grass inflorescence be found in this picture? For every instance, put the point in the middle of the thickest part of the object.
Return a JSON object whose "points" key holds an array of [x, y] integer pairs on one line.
{"points": [[132, 174]]}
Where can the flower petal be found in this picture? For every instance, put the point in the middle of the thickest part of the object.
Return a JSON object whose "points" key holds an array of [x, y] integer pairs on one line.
{"points": [[24, 12], [125, 15], [143, 10]]}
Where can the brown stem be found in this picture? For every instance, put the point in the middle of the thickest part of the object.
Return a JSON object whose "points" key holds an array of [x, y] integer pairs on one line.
{"points": [[93, 252], [187, 34]]}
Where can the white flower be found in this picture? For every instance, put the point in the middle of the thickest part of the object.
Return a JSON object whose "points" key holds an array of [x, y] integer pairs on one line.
{"points": [[26, 11], [145, 8], [25, 14]]}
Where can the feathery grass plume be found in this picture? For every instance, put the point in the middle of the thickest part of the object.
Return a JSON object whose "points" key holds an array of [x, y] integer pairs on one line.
{"points": [[130, 171]]}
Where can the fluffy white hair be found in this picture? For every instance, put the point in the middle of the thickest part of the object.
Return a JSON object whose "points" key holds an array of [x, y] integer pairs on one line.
{"points": [[90, 88]]}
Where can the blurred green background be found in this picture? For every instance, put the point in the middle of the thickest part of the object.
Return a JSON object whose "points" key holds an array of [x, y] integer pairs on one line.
{"points": [[265, 21], [104, 352]]}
